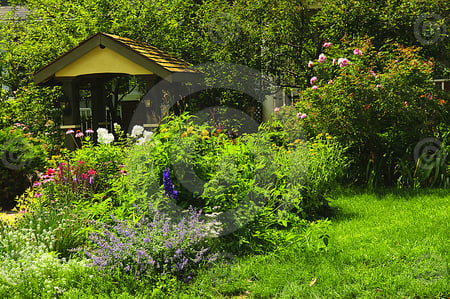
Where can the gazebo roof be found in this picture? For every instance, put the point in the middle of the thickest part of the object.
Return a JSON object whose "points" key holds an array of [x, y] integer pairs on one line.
{"points": [[105, 53]]}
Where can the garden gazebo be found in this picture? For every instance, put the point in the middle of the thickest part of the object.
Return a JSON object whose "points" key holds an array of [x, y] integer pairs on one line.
{"points": [[84, 70]]}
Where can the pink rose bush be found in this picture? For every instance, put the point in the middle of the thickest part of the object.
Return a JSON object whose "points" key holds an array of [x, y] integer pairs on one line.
{"points": [[379, 104]]}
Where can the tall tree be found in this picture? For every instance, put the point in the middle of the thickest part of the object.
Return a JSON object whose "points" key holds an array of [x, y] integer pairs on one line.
{"points": [[411, 23]]}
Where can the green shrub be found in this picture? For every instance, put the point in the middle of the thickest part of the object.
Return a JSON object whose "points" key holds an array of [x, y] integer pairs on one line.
{"points": [[378, 104], [20, 155], [237, 181], [28, 134]]}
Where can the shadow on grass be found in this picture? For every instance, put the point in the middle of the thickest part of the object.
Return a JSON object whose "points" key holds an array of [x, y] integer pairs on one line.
{"points": [[387, 192]]}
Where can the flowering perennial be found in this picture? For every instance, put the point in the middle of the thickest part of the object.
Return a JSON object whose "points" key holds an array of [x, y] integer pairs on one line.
{"points": [[104, 137], [168, 185], [153, 245]]}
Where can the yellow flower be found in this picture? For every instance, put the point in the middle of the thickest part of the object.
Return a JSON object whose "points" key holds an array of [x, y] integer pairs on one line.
{"points": [[184, 134], [328, 137], [205, 137], [288, 152], [205, 133], [164, 130], [189, 130], [297, 140]]}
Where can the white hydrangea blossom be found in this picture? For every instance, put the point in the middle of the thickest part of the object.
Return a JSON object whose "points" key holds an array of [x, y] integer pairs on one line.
{"points": [[146, 137], [104, 137], [137, 131], [140, 141]]}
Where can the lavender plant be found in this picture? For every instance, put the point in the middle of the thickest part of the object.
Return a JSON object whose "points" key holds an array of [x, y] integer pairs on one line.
{"points": [[153, 246]]}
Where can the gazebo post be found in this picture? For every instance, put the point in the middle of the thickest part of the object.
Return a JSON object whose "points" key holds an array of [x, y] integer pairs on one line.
{"points": [[152, 104], [71, 111], [98, 103]]}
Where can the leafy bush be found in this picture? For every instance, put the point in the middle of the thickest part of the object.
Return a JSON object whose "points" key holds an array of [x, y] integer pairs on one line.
{"points": [[237, 181], [28, 134], [378, 104], [20, 154]]}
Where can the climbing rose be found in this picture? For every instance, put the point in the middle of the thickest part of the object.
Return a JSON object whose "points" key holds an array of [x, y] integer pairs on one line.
{"points": [[357, 52], [343, 62], [322, 58]]}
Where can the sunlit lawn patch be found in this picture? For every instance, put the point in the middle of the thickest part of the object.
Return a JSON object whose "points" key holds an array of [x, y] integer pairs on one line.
{"points": [[390, 245]]}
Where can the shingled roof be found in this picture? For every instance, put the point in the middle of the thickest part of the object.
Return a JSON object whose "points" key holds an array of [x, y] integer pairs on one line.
{"points": [[114, 52]]}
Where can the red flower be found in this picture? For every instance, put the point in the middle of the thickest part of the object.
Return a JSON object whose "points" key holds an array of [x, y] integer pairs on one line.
{"points": [[92, 172], [50, 171]]}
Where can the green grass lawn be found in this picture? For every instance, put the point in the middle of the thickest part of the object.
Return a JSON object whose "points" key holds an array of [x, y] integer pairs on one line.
{"points": [[389, 245]]}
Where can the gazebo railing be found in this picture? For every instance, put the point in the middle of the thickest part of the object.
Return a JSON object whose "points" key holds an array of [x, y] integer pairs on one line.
{"points": [[86, 119]]}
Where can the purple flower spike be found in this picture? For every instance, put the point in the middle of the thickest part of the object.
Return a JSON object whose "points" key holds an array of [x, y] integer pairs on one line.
{"points": [[168, 185]]}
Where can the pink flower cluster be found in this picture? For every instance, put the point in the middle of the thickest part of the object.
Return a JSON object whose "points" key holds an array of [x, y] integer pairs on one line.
{"points": [[65, 174], [357, 52], [301, 115], [79, 133], [322, 58], [342, 62]]}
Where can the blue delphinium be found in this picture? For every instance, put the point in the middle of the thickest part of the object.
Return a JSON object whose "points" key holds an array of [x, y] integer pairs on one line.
{"points": [[169, 191], [152, 246]]}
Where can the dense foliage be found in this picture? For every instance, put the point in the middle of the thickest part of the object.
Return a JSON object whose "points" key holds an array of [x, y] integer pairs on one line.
{"points": [[28, 135], [380, 104], [142, 214], [410, 23]]}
